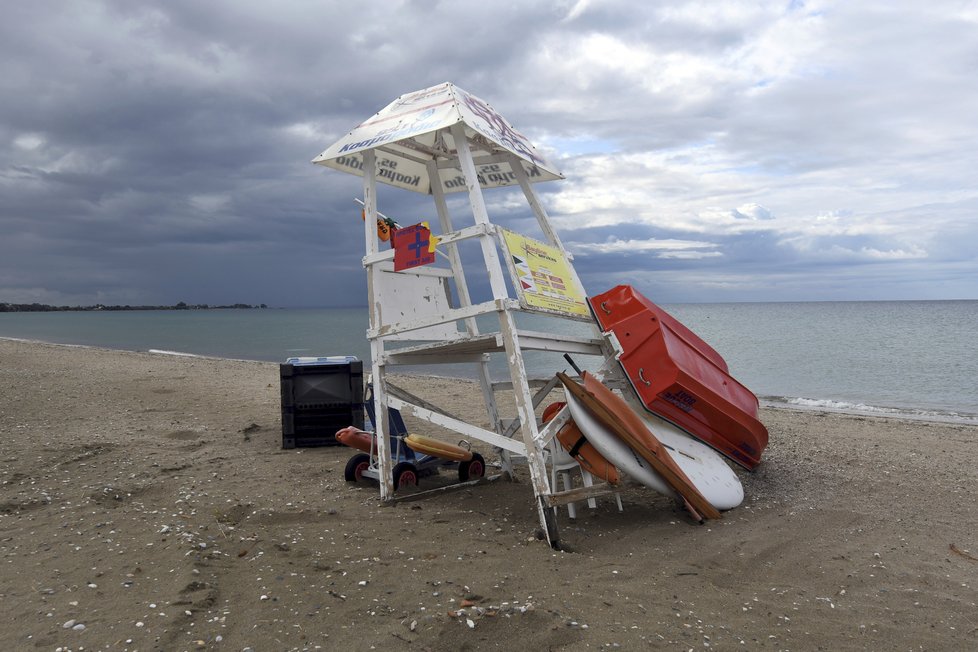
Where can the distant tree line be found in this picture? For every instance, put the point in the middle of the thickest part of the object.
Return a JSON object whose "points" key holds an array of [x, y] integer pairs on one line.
{"points": [[40, 307]]}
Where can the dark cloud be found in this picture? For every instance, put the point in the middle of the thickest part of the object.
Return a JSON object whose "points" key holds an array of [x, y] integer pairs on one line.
{"points": [[157, 152]]}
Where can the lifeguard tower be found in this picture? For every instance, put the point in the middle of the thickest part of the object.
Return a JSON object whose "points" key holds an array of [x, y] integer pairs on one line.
{"points": [[438, 141]]}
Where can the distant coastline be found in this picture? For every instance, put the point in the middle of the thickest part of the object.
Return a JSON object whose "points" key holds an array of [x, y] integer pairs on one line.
{"points": [[40, 307]]}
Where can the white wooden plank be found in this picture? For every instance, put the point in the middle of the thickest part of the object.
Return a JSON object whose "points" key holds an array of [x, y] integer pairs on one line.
{"points": [[376, 345], [407, 296], [528, 422], [493, 267], [475, 432], [450, 315]]}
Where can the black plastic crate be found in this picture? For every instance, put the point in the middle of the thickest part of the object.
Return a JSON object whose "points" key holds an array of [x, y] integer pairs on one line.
{"points": [[319, 398]]}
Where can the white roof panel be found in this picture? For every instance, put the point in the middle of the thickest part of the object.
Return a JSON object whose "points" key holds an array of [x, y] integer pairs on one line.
{"points": [[414, 129]]}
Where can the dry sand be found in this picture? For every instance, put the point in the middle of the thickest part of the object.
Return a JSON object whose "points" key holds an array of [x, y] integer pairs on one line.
{"points": [[147, 504]]}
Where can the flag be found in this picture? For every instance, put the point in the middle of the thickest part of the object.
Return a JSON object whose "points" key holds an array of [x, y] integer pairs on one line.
{"points": [[413, 247]]}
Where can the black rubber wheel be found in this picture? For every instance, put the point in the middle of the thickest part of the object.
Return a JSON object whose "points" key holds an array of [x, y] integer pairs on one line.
{"points": [[356, 466], [405, 475], [473, 469]]}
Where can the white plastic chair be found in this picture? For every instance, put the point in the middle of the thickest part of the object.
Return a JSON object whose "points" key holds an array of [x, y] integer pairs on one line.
{"points": [[562, 464]]}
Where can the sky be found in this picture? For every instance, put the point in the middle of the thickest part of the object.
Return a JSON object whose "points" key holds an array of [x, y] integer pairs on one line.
{"points": [[156, 152]]}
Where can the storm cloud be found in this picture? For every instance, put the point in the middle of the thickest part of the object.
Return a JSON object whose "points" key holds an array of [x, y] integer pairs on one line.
{"points": [[155, 152]]}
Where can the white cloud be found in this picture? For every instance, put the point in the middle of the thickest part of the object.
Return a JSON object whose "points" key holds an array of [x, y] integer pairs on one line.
{"points": [[753, 212], [825, 250], [29, 142], [668, 248], [690, 255]]}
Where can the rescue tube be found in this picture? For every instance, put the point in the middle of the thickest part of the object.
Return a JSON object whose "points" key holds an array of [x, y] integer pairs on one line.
{"points": [[438, 448], [577, 446], [355, 438]]}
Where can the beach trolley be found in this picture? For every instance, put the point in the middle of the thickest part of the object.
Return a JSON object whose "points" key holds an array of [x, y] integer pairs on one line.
{"points": [[413, 456], [439, 141]]}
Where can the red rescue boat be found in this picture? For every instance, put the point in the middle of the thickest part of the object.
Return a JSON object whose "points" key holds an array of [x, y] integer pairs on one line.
{"points": [[680, 377]]}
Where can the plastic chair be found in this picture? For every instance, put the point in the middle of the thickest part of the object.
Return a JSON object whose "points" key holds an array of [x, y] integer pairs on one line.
{"points": [[563, 465]]}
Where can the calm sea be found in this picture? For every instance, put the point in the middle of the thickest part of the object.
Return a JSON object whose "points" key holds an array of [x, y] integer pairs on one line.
{"points": [[905, 358]]}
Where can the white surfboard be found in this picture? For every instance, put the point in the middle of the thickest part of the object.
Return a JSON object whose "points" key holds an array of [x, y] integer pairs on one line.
{"points": [[704, 467]]}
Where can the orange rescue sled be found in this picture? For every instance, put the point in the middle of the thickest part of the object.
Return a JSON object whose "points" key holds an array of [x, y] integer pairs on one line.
{"points": [[680, 377]]}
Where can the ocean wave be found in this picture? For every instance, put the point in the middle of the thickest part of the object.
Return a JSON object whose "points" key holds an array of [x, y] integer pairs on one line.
{"points": [[176, 353], [845, 407]]}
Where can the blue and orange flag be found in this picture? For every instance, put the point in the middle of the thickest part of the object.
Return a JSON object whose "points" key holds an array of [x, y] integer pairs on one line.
{"points": [[414, 246]]}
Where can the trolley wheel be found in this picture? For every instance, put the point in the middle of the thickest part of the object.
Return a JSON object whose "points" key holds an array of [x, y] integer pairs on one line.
{"points": [[356, 466], [473, 469], [405, 475]]}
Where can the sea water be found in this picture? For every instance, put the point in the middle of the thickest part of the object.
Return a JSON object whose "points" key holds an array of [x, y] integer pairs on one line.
{"points": [[905, 358]]}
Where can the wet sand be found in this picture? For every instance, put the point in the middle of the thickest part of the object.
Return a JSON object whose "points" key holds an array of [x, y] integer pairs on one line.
{"points": [[147, 504]]}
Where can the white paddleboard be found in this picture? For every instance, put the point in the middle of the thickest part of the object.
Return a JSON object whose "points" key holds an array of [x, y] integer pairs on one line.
{"points": [[705, 468]]}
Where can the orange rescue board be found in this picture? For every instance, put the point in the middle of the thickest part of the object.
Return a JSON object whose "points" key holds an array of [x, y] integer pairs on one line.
{"points": [[577, 445], [355, 438], [623, 422], [438, 448], [680, 377]]}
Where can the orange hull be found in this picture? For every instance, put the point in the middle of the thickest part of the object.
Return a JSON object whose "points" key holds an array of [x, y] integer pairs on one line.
{"points": [[680, 377], [355, 438], [574, 442]]}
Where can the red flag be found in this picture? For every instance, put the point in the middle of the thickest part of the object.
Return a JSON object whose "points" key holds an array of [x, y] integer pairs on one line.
{"points": [[412, 247]]}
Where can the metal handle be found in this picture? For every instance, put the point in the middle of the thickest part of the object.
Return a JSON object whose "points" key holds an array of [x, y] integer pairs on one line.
{"points": [[606, 311], [641, 376]]}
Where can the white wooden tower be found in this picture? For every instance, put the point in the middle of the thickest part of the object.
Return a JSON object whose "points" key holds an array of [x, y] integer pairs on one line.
{"points": [[437, 141]]}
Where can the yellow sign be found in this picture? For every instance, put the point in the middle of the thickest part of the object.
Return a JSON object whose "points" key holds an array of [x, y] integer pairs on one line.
{"points": [[543, 278]]}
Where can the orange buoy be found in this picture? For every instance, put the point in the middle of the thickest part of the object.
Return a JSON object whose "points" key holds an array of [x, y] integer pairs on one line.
{"points": [[355, 438], [577, 446], [384, 227]]}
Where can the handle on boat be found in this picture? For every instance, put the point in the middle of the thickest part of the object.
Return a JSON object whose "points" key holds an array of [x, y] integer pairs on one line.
{"points": [[641, 376], [606, 311]]}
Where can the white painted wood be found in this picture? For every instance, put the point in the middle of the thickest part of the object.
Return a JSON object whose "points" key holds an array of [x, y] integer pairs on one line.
{"points": [[379, 257], [452, 315], [461, 427], [435, 272], [528, 422], [493, 267], [560, 343], [394, 358], [495, 343], [376, 345], [406, 296]]}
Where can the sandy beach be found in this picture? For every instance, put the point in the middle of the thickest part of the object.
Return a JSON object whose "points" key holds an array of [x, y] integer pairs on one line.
{"points": [[147, 504]]}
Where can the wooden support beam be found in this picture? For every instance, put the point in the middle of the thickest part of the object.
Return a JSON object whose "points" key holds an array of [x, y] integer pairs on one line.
{"points": [[428, 493], [580, 493]]}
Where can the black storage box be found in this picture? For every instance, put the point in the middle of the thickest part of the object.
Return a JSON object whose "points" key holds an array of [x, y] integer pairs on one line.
{"points": [[319, 397]]}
